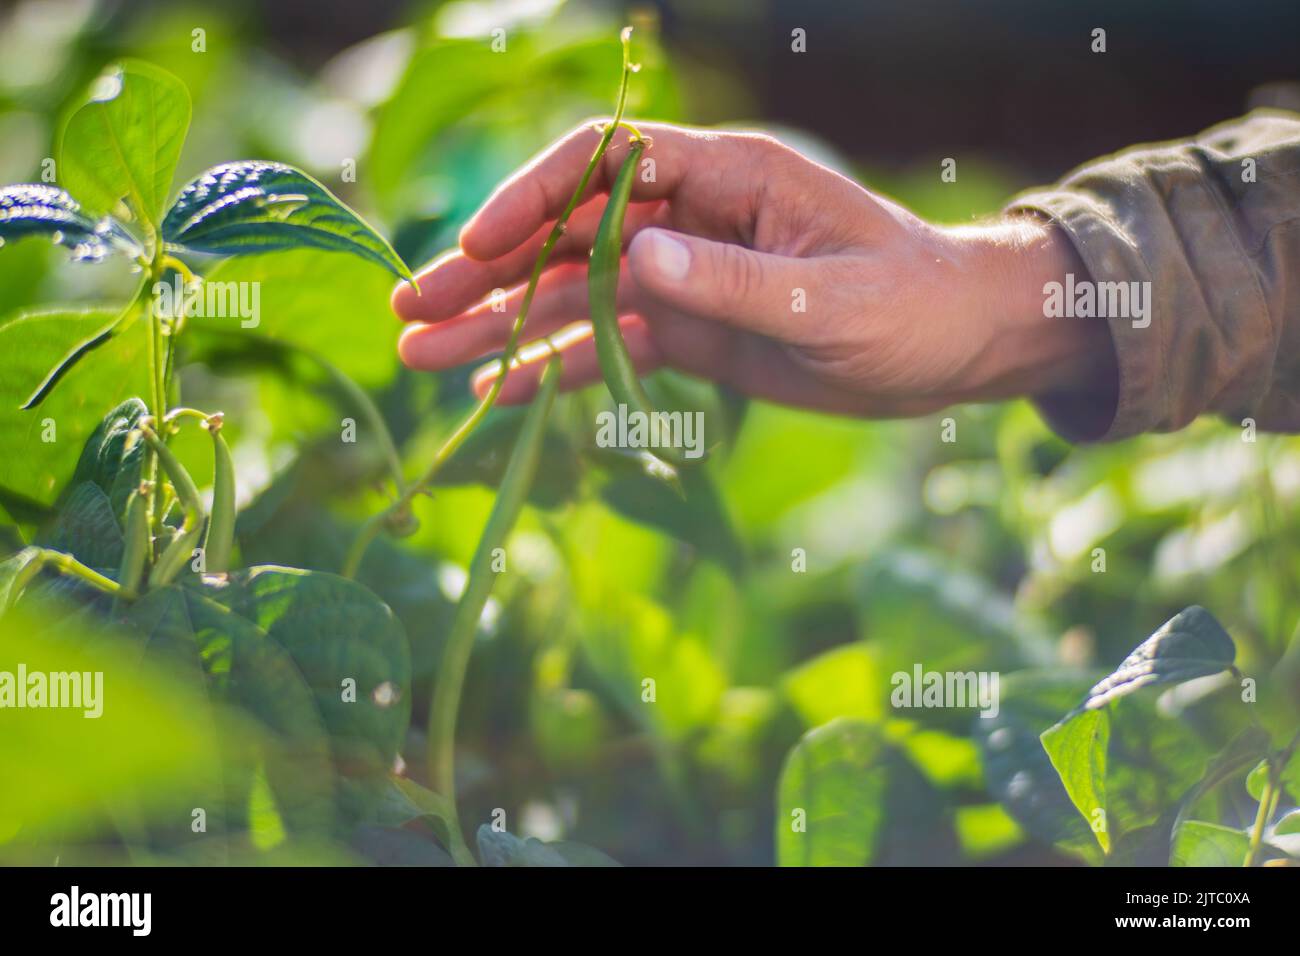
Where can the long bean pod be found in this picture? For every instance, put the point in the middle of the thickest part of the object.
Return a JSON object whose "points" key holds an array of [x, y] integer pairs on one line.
{"points": [[515, 483], [602, 291]]}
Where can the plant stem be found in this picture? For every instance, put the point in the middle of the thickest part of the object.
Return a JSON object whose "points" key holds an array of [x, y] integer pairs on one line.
{"points": [[373, 525], [1262, 816], [1270, 797], [66, 564]]}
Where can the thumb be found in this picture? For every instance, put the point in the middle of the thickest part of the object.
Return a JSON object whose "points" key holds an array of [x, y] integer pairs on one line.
{"points": [[718, 280]]}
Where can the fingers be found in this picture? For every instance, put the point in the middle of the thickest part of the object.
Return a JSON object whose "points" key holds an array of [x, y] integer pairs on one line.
{"points": [[560, 300], [539, 193], [755, 291], [455, 283], [581, 367]]}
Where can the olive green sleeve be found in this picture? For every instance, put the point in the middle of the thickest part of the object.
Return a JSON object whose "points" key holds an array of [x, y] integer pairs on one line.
{"points": [[1210, 230]]}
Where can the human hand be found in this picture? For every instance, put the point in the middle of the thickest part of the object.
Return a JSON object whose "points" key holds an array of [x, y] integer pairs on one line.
{"points": [[751, 265]]}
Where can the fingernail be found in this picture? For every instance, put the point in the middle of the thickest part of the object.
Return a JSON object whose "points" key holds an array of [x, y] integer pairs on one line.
{"points": [[669, 257]]}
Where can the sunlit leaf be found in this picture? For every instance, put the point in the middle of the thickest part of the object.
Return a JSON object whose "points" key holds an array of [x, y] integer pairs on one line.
{"points": [[843, 682], [830, 798], [254, 206], [1208, 844], [149, 740], [1190, 644], [336, 306], [1077, 748], [123, 142], [42, 444]]}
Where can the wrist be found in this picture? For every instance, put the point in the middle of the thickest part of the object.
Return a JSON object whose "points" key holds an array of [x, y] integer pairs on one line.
{"points": [[1028, 353]]}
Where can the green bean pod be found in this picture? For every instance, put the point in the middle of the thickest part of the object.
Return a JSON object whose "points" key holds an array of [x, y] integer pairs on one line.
{"points": [[181, 549], [616, 365], [511, 494], [174, 557], [602, 291], [220, 539], [138, 540]]}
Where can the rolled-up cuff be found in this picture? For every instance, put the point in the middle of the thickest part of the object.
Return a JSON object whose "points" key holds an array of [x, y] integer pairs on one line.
{"points": [[1109, 257]]}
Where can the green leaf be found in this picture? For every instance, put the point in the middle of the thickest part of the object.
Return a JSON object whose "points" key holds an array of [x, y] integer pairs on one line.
{"points": [[113, 457], [627, 638], [1152, 845], [843, 682], [1077, 749], [505, 849], [1290, 778], [255, 206], [1190, 644], [336, 631], [336, 306], [1289, 824], [243, 667], [830, 797], [388, 846], [42, 446], [125, 139], [36, 210], [920, 606], [405, 800], [443, 84], [1208, 844], [152, 736], [86, 528], [11, 570], [79, 352]]}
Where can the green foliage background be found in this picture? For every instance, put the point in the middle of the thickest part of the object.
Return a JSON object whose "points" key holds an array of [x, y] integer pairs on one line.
{"points": [[772, 686]]}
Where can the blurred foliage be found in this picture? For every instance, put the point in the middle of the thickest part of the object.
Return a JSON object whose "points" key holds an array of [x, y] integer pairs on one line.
{"points": [[668, 679]]}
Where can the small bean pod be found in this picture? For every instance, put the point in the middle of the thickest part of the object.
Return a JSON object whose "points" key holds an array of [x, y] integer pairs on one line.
{"points": [[181, 549], [137, 543], [220, 538]]}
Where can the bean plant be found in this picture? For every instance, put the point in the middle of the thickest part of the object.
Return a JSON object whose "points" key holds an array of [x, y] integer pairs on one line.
{"points": [[134, 559]]}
